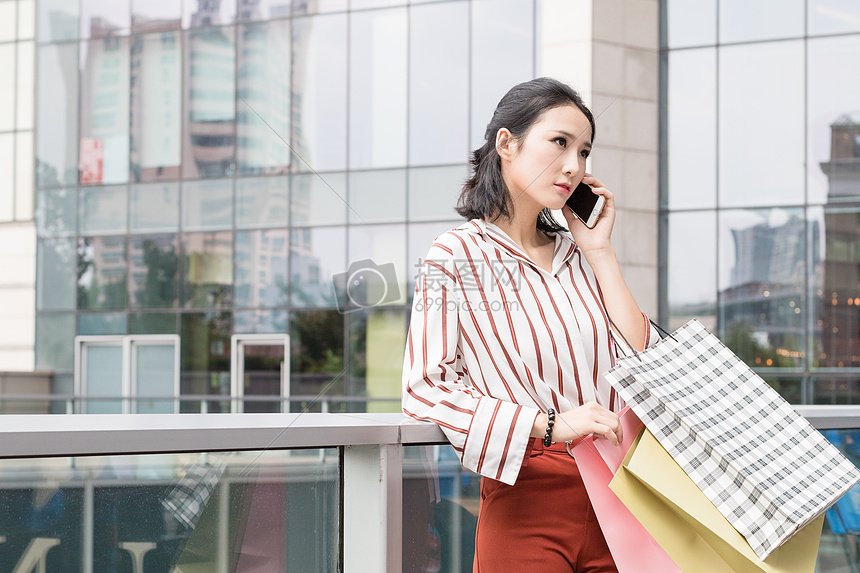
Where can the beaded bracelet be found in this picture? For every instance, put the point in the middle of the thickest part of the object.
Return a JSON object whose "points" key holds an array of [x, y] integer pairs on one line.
{"points": [[547, 439]]}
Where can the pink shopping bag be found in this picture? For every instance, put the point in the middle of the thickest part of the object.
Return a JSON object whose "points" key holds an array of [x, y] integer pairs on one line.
{"points": [[632, 547]]}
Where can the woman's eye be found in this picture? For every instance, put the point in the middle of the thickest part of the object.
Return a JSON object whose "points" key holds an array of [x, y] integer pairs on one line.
{"points": [[584, 153], [561, 141]]}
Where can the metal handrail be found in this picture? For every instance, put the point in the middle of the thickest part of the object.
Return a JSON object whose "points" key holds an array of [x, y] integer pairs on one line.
{"points": [[50, 435]]}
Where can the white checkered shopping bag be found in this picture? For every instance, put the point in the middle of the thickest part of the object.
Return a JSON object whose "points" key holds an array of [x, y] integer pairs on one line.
{"points": [[764, 466]]}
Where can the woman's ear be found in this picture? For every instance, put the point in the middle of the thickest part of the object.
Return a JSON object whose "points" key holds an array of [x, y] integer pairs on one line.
{"points": [[505, 143]]}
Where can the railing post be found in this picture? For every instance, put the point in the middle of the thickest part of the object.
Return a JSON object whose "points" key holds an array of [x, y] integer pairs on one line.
{"points": [[373, 508]]}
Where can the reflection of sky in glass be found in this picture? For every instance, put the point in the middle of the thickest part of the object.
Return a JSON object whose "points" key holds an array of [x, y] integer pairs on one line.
{"points": [[691, 272], [438, 94], [834, 90], [833, 16], [498, 65], [382, 244], [746, 20], [104, 18], [761, 124], [691, 23], [377, 102], [692, 124]]}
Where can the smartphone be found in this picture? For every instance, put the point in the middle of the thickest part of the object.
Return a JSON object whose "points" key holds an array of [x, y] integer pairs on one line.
{"points": [[586, 205]]}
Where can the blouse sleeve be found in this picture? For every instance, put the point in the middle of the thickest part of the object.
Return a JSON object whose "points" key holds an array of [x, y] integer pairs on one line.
{"points": [[489, 435]]}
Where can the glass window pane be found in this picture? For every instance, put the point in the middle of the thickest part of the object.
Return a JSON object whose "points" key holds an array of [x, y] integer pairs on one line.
{"points": [[691, 23], [377, 254], [433, 192], [207, 204], [761, 159], [24, 176], [26, 79], [199, 13], [55, 342], [377, 196], [154, 261], [834, 119], [153, 207], [152, 323], [262, 202], [105, 18], [207, 269], [264, 10], [263, 321], [836, 391], [691, 269], [789, 387], [7, 176], [836, 286], [439, 93], [761, 280], [364, 4], [58, 20], [26, 19], [377, 94], [318, 199], [316, 355], [56, 261], [7, 88], [691, 116], [377, 337], [8, 21], [156, 106], [450, 515], [833, 16], [102, 378], [319, 102], [316, 255], [421, 237], [104, 110], [101, 273], [154, 15], [57, 127], [210, 103], [56, 213], [101, 323], [785, 19], [205, 358], [102, 209], [264, 91], [498, 65], [261, 268], [155, 375]]}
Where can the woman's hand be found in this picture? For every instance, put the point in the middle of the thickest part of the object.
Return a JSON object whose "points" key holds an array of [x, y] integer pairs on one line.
{"points": [[590, 418], [594, 240]]}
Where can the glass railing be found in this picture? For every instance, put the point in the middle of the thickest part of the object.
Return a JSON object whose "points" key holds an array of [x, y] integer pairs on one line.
{"points": [[268, 492]]}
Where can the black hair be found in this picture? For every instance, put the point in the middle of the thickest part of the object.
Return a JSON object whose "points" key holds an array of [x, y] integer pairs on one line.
{"points": [[485, 195]]}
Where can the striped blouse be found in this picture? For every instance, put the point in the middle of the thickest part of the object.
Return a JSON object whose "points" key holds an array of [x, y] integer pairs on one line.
{"points": [[494, 340]]}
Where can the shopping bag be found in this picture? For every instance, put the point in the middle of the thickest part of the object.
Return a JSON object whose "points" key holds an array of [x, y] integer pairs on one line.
{"points": [[633, 548], [764, 467], [690, 528]]}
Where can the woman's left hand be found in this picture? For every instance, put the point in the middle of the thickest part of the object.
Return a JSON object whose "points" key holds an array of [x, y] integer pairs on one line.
{"points": [[597, 239]]}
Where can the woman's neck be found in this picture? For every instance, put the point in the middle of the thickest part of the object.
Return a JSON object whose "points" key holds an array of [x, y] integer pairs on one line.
{"points": [[522, 228]]}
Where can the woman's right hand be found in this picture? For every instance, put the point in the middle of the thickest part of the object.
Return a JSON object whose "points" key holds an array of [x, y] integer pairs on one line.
{"points": [[590, 418]]}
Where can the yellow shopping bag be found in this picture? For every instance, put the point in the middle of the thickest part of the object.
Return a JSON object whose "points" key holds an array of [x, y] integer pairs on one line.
{"points": [[689, 527]]}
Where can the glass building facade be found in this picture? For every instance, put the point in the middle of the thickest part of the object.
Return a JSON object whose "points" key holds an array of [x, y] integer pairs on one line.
{"points": [[208, 173], [760, 186]]}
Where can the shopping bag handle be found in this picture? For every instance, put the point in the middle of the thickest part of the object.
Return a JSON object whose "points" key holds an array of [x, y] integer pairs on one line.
{"points": [[662, 331]]}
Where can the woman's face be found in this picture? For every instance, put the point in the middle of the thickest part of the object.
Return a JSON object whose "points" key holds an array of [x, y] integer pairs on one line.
{"points": [[544, 167]]}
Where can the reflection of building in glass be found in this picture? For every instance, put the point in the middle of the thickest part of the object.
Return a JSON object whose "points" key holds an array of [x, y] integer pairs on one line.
{"points": [[839, 295], [210, 100], [761, 310], [156, 107]]}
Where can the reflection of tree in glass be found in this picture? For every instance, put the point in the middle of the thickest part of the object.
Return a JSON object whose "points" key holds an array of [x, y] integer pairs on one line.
{"points": [[318, 341], [101, 260], [742, 342], [159, 289]]}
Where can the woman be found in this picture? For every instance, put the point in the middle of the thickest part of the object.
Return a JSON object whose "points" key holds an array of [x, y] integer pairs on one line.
{"points": [[510, 329]]}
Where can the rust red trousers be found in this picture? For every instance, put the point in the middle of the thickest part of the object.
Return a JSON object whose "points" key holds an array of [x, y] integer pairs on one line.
{"points": [[542, 523]]}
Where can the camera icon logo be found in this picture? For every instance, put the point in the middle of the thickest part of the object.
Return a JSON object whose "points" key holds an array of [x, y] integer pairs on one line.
{"points": [[365, 284]]}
